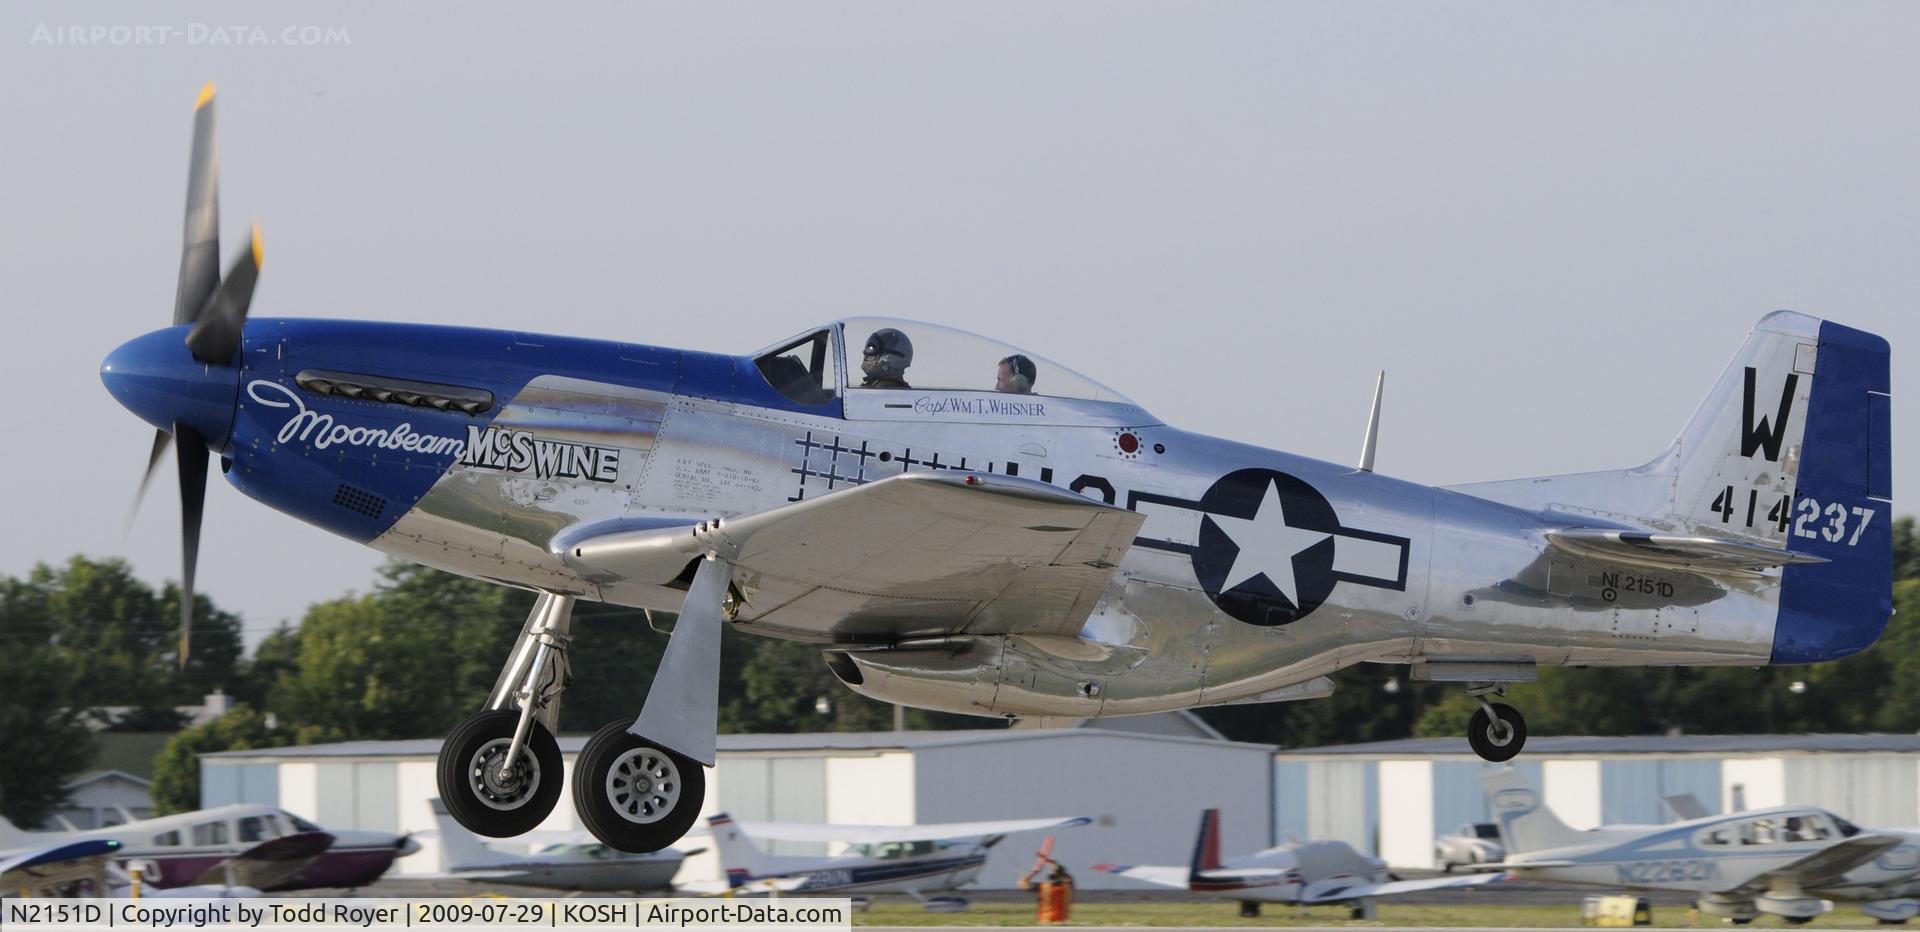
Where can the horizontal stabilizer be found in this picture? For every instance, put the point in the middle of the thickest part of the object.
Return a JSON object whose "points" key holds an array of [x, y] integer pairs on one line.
{"points": [[1674, 551], [1339, 891], [1518, 865], [1165, 876], [883, 834]]}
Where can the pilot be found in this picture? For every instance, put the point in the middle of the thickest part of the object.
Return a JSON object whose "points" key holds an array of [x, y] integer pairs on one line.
{"points": [[886, 358], [1015, 375]]}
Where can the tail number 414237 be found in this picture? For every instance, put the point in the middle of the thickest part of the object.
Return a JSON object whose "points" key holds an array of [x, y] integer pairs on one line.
{"points": [[1810, 519]]}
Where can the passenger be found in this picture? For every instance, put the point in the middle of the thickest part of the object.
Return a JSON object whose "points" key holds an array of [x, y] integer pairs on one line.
{"points": [[1015, 375], [885, 360]]}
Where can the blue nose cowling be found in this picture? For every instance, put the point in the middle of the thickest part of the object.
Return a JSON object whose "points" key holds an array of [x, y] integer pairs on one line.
{"points": [[156, 377]]}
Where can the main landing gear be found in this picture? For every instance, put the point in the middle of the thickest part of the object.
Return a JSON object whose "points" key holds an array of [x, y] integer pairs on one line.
{"points": [[637, 785], [1497, 731]]}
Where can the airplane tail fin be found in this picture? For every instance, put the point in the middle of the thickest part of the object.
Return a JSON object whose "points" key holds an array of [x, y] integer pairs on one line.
{"points": [[1526, 824], [1206, 846], [459, 847], [739, 856], [1789, 457], [12, 836]]}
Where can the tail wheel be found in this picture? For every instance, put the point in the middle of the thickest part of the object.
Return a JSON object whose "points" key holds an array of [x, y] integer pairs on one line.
{"points": [[633, 794], [483, 798], [1498, 737]]}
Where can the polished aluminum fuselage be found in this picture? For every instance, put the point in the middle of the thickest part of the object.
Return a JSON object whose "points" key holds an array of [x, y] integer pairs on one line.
{"points": [[1476, 581]]}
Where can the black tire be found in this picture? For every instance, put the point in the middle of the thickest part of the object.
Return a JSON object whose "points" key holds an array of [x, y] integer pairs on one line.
{"points": [[623, 815], [1249, 909], [476, 798], [1481, 734]]}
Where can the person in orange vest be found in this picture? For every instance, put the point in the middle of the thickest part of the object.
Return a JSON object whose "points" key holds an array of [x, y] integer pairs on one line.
{"points": [[1055, 894]]}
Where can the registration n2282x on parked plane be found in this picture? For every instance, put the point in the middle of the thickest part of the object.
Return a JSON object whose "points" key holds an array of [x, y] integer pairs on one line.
{"points": [[964, 526]]}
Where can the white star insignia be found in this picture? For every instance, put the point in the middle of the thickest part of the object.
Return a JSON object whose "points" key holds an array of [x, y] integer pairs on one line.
{"points": [[1267, 545]]}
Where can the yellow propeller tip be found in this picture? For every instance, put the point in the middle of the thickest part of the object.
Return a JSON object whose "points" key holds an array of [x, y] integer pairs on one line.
{"points": [[206, 94], [258, 253]]}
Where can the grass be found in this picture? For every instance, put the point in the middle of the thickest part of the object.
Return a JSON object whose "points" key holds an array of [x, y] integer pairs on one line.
{"points": [[1226, 915]]}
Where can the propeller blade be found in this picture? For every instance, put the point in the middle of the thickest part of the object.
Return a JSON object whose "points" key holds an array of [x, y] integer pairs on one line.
{"points": [[190, 451], [200, 246], [216, 333], [160, 440]]}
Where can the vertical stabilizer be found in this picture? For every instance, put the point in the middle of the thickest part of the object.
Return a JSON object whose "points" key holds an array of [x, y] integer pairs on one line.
{"points": [[739, 856], [1526, 824], [458, 847], [1792, 448], [13, 836], [1206, 846]]}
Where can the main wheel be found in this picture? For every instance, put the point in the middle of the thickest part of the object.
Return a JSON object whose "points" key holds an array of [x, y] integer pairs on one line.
{"points": [[478, 797], [1497, 740], [633, 794]]}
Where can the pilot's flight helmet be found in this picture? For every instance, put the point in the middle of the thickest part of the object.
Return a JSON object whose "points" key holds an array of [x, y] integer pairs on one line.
{"points": [[888, 354]]}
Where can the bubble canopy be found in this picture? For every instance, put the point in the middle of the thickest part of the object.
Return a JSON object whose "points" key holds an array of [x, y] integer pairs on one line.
{"points": [[943, 359]]}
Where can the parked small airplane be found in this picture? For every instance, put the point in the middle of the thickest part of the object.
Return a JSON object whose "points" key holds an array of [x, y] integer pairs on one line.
{"points": [[576, 863], [912, 859], [197, 847], [1299, 873], [962, 525], [86, 867], [1780, 861]]}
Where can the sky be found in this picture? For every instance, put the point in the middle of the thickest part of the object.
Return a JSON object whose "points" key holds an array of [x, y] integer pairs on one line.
{"points": [[1551, 223]]}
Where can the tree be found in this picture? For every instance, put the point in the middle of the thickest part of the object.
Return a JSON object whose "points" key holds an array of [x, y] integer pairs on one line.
{"points": [[176, 771], [276, 657], [46, 742]]}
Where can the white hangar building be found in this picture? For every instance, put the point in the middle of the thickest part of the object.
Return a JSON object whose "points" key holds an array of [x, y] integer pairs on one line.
{"points": [[1392, 798], [1143, 781]]}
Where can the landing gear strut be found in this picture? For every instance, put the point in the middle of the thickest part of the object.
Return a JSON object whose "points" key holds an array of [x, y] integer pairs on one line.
{"points": [[1497, 731], [638, 785], [499, 771]]}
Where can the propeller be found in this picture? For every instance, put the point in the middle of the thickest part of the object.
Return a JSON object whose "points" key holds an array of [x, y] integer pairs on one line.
{"points": [[216, 306]]}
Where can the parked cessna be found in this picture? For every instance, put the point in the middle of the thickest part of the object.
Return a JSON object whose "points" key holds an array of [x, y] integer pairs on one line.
{"points": [[574, 863], [1780, 861], [964, 526], [202, 847], [1299, 873], [912, 859]]}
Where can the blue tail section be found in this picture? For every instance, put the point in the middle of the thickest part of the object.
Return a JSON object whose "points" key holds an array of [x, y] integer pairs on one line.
{"points": [[1843, 504]]}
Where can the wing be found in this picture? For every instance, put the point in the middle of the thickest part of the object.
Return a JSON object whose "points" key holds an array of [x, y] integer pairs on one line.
{"points": [[914, 555], [19, 867], [1336, 891], [269, 863], [1673, 551], [1163, 876], [1829, 863], [877, 834]]}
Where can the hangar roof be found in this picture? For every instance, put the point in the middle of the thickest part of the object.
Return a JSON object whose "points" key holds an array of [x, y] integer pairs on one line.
{"points": [[1634, 744]]}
